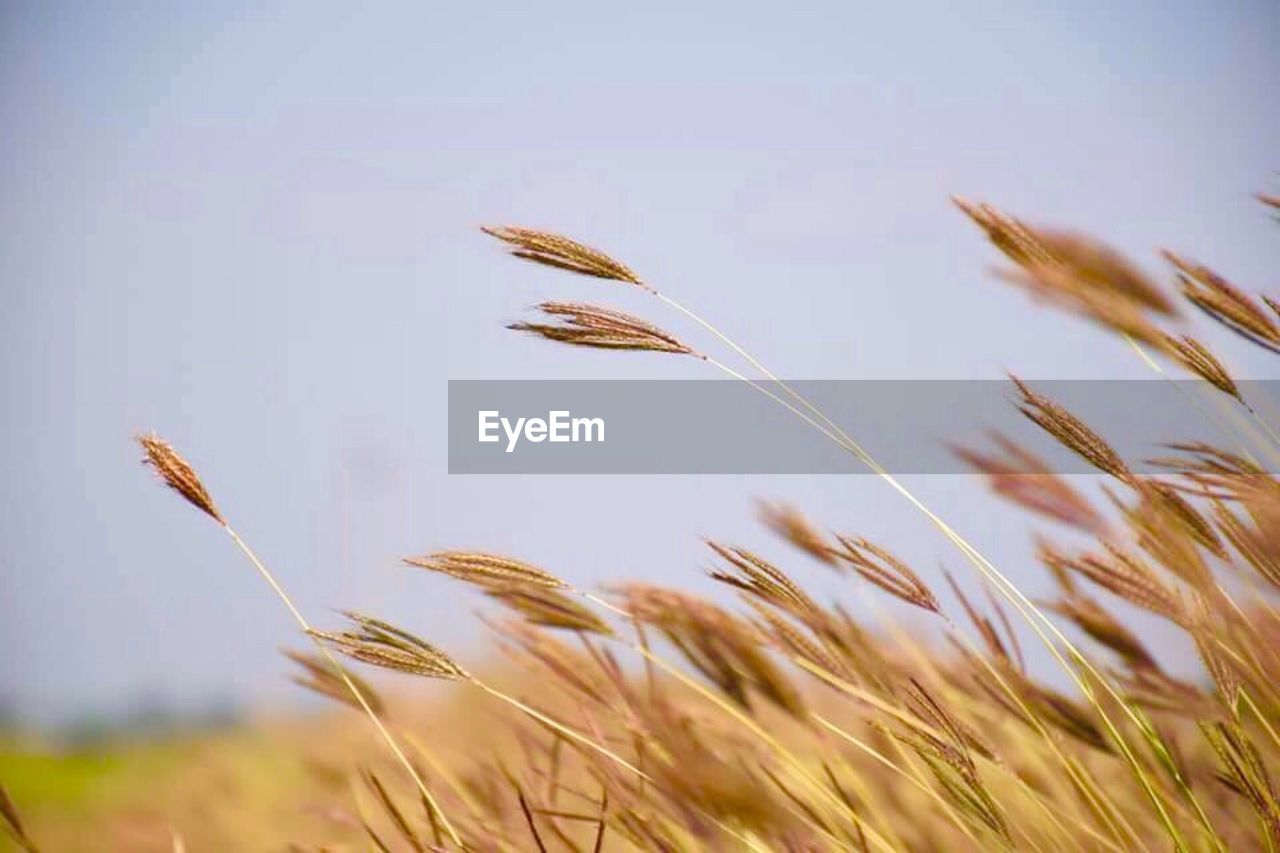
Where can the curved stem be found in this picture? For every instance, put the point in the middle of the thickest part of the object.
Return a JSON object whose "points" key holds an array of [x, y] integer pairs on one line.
{"points": [[351, 685]]}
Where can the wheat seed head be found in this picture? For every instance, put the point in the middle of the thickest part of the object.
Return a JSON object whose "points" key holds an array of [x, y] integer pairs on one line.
{"points": [[178, 474], [602, 328], [381, 644], [879, 567], [486, 569], [1019, 476], [1071, 432], [554, 250], [549, 608], [1224, 302], [791, 524], [1197, 358], [320, 676]]}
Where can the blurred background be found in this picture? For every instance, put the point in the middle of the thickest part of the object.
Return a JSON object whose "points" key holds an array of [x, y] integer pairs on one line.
{"points": [[254, 230]]}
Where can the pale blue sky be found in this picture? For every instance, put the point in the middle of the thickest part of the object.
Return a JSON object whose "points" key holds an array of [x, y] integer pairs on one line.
{"points": [[253, 230]]}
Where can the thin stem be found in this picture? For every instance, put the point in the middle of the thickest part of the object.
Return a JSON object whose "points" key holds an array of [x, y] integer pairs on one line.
{"points": [[560, 727], [759, 732], [882, 759], [591, 744], [1021, 603], [652, 659], [355, 691]]}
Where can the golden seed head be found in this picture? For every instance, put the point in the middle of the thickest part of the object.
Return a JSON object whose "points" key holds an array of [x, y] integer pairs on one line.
{"points": [[485, 569], [1071, 432], [1197, 358], [554, 250], [322, 677], [1225, 303], [549, 608], [381, 644], [791, 524], [1019, 476], [178, 474], [602, 328], [879, 567]]}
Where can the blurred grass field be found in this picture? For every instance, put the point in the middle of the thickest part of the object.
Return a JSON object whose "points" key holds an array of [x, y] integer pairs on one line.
{"points": [[135, 793]]}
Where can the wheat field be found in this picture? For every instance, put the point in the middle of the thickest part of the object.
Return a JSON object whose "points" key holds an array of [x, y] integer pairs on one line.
{"points": [[642, 717]]}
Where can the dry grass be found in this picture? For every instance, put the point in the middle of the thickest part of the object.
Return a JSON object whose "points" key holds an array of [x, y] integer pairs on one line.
{"points": [[601, 328], [650, 718]]}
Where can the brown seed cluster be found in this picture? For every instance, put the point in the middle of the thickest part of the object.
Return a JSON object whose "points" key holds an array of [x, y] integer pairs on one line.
{"points": [[178, 474], [881, 568], [1224, 302], [486, 569], [550, 608], [554, 250], [1197, 358], [1072, 269], [791, 525], [1071, 432], [375, 642], [320, 676], [602, 328], [1019, 476]]}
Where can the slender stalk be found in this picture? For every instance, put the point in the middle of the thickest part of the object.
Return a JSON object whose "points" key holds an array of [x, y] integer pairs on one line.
{"points": [[575, 735], [355, 691], [882, 759], [652, 659], [560, 727]]}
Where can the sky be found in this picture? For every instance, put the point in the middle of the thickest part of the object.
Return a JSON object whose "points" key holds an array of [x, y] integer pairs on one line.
{"points": [[254, 230]]}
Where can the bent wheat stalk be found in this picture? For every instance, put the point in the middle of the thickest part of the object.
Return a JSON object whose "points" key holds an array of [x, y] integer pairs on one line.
{"points": [[178, 475]]}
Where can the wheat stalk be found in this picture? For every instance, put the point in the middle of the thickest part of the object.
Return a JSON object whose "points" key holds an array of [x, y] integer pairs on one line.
{"points": [[178, 475]]}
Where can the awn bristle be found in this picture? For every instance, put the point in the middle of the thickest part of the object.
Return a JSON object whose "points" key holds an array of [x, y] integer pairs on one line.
{"points": [[949, 750], [1212, 471], [798, 643], [544, 247], [1178, 515], [602, 328], [178, 474]]}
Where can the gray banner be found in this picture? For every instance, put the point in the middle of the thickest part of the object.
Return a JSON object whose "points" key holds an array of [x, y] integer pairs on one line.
{"points": [[729, 427]]}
